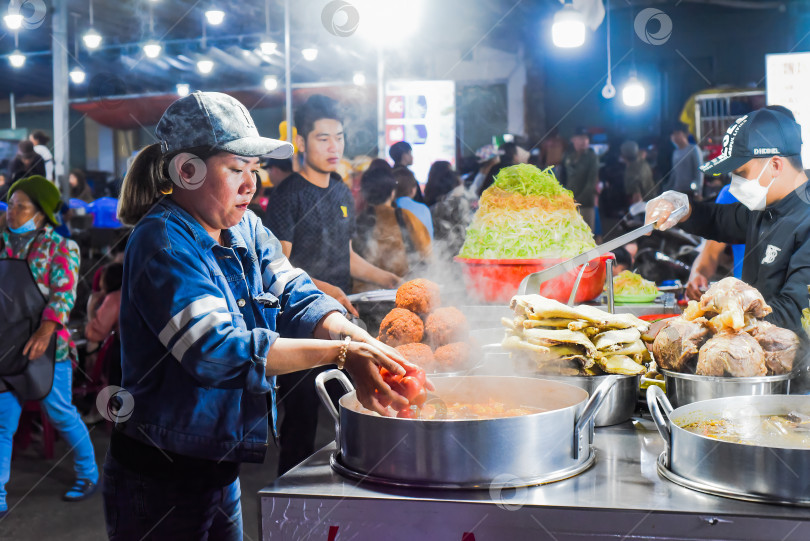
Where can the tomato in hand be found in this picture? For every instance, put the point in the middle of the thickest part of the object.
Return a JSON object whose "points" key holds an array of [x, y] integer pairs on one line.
{"points": [[417, 373], [407, 413], [410, 388]]}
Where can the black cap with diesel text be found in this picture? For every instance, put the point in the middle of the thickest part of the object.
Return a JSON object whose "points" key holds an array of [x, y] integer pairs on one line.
{"points": [[761, 134]]}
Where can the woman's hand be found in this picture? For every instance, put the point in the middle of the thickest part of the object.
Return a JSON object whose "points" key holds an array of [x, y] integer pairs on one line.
{"points": [[38, 343], [363, 362]]}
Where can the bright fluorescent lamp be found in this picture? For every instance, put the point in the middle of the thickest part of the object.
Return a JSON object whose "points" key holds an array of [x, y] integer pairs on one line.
{"points": [[92, 39], [634, 94], [17, 59], [359, 78], [215, 16], [268, 47], [205, 66], [13, 20], [568, 30], [77, 75], [182, 89], [152, 49], [310, 53], [270, 83]]}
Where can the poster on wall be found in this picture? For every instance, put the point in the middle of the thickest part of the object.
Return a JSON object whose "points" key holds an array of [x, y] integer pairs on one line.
{"points": [[423, 113], [788, 78]]}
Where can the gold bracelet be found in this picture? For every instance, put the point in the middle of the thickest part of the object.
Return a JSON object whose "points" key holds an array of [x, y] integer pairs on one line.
{"points": [[344, 349]]}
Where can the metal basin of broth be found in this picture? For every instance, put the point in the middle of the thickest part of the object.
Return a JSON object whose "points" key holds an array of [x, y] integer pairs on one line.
{"points": [[745, 426]]}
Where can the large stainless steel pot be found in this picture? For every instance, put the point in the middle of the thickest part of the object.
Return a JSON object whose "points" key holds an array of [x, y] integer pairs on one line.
{"points": [[620, 402], [733, 470], [529, 449], [684, 389]]}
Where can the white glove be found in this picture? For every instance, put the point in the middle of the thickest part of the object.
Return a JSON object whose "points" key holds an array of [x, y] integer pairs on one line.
{"points": [[667, 209]]}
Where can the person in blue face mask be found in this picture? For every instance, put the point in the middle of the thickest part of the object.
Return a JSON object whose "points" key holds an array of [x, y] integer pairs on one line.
{"points": [[761, 151]]}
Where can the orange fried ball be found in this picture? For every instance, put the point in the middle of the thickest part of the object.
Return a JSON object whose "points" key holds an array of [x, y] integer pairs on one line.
{"points": [[420, 296], [446, 325], [419, 354], [453, 356], [401, 327]]}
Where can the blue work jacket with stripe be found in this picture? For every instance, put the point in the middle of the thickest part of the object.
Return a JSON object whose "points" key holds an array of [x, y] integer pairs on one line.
{"points": [[197, 322]]}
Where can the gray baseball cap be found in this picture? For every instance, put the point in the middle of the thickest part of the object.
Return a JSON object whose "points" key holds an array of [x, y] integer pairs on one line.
{"points": [[215, 120]]}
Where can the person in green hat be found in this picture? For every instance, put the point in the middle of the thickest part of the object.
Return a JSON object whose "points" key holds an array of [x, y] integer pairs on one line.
{"points": [[39, 271]]}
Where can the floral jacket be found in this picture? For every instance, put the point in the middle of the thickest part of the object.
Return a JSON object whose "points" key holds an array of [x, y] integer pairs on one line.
{"points": [[54, 262]]}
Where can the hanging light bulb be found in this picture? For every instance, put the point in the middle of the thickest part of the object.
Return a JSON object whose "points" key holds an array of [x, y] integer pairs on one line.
{"points": [[205, 66], [268, 47], [13, 21], [359, 78], [634, 94], [77, 75], [17, 59], [91, 39], [182, 89], [270, 83], [215, 16], [152, 48], [310, 53], [568, 30]]}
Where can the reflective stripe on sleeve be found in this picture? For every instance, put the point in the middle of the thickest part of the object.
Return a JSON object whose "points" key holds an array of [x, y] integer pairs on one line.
{"points": [[201, 306]]}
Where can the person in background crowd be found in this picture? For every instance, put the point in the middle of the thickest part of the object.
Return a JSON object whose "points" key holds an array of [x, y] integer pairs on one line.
{"points": [[40, 141], [581, 175], [402, 154], [638, 179], [391, 238], [451, 207], [312, 215], [79, 189], [278, 170], [404, 197], [53, 262], [26, 163], [509, 154], [488, 157], [552, 149], [624, 260], [685, 176], [4, 186]]}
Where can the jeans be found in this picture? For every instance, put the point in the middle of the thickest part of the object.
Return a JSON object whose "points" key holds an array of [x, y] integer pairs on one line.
{"points": [[136, 506], [63, 416]]}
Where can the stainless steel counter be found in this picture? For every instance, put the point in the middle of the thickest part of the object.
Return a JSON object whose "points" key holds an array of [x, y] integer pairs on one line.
{"points": [[621, 496]]}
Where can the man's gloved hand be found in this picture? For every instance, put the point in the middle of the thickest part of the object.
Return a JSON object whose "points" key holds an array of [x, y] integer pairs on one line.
{"points": [[667, 209]]}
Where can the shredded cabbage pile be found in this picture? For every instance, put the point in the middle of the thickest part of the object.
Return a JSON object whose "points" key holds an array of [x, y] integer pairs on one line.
{"points": [[526, 214], [630, 283]]}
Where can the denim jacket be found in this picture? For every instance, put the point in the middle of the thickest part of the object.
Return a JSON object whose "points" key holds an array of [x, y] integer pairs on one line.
{"points": [[197, 322]]}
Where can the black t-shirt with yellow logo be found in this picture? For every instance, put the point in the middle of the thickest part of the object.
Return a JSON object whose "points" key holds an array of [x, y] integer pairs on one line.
{"points": [[319, 222]]}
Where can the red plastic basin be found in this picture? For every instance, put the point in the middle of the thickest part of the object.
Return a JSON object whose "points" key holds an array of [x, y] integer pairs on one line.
{"points": [[497, 280]]}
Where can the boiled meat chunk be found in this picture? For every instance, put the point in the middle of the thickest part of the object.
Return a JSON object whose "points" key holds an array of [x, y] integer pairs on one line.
{"points": [[677, 344], [731, 354], [780, 346], [731, 299]]}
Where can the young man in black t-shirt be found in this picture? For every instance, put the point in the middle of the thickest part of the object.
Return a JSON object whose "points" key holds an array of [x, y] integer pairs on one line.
{"points": [[312, 214]]}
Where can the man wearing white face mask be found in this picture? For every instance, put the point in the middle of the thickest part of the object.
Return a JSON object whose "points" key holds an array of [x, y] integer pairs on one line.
{"points": [[761, 151]]}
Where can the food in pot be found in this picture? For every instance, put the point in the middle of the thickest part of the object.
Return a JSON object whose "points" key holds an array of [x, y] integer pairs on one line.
{"points": [[419, 296], [445, 326], [747, 427], [401, 327], [526, 214], [677, 344], [780, 346], [731, 354], [452, 357], [492, 409], [726, 304], [418, 354], [578, 340], [628, 283]]}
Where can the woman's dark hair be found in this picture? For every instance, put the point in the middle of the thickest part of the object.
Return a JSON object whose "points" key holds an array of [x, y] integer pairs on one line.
{"points": [[81, 182], [113, 275], [41, 137], [316, 108], [406, 182], [379, 163], [398, 150], [377, 185], [441, 181], [508, 152], [148, 180]]}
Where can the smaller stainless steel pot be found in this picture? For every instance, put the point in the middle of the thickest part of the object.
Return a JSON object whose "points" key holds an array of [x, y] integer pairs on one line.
{"points": [[620, 402], [684, 389], [733, 470]]}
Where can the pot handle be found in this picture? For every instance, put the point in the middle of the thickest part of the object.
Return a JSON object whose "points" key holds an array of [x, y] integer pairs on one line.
{"points": [[585, 420], [660, 408], [320, 386]]}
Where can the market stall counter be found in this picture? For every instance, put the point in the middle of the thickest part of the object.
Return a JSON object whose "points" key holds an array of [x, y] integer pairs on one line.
{"points": [[620, 496]]}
